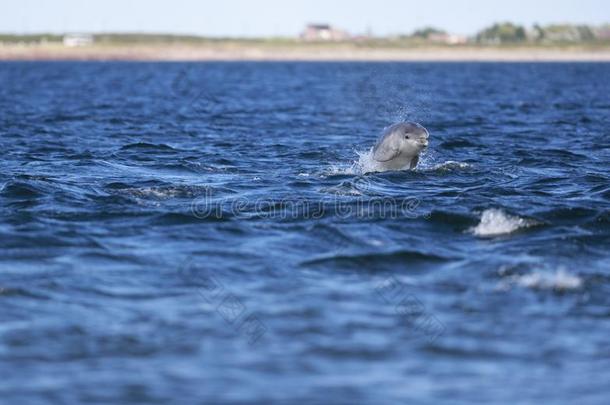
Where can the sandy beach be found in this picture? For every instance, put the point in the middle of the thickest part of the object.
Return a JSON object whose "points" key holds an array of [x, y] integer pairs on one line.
{"points": [[301, 52]]}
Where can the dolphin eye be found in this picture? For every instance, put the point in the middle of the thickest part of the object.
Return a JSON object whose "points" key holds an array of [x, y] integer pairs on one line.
{"points": [[406, 136]]}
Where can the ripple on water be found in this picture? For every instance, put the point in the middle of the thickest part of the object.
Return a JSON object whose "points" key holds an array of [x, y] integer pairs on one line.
{"points": [[271, 191]]}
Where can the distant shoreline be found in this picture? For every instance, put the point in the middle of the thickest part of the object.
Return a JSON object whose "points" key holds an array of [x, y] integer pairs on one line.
{"points": [[313, 52]]}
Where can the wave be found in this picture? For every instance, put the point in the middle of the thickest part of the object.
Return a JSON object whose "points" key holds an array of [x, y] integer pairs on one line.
{"points": [[450, 165], [375, 259], [147, 146], [495, 222], [20, 190], [339, 170], [159, 192], [558, 280], [366, 164], [457, 143]]}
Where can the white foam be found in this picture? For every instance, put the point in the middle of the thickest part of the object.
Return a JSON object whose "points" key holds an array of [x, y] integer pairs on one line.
{"points": [[163, 192], [334, 170], [344, 169], [496, 222], [155, 192], [559, 280], [366, 163], [342, 190], [451, 165]]}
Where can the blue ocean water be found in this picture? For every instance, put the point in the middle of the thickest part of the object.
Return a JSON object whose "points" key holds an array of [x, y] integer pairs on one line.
{"points": [[213, 233]]}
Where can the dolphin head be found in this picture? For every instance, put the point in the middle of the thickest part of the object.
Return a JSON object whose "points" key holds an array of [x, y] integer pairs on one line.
{"points": [[413, 137], [400, 145]]}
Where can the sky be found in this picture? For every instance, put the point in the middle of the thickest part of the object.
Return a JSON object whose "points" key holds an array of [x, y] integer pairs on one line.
{"points": [[253, 18]]}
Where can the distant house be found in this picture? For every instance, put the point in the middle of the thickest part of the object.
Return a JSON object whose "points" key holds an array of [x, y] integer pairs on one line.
{"points": [[323, 32], [439, 36], [72, 40], [449, 39], [603, 32]]}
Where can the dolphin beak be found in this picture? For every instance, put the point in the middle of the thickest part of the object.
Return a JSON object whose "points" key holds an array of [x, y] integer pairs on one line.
{"points": [[424, 140]]}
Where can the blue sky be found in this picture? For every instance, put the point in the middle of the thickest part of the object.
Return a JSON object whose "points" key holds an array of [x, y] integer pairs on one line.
{"points": [[284, 17]]}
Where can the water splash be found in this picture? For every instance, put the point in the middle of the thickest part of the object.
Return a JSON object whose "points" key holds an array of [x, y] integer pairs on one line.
{"points": [[338, 169], [366, 163]]}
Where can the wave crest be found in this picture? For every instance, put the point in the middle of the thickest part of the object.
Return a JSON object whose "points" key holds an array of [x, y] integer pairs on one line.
{"points": [[559, 280], [495, 222]]}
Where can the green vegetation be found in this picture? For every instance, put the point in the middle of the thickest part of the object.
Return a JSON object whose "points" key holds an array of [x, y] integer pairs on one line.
{"points": [[428, 33], [118, 38], [499, 34], [502, 33], [30, 39], [564, 34]]}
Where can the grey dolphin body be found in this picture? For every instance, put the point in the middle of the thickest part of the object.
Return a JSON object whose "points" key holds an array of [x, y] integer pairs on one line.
{"points": [[399, 146]]}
